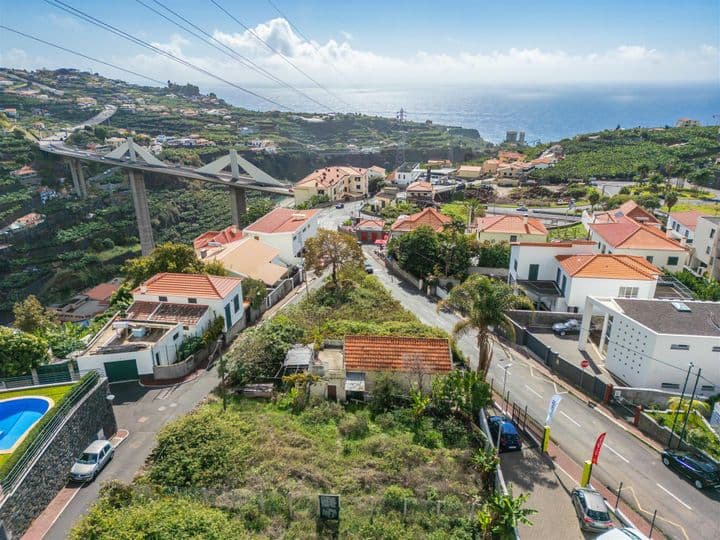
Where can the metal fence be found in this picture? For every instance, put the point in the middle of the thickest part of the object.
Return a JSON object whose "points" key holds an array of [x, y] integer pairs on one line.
{"points": [[45, 374], [45, 431]]}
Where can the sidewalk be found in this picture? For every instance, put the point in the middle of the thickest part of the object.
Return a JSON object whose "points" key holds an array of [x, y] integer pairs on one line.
{"points": [[42, 524]]}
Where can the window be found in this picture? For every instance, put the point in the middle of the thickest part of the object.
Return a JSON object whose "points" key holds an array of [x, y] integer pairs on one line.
{"points": [[712, 233], [162, 298], [629, 292], [557, 276], [192, 300], [564, 282], [236, 303], [649, 258], [513, 237], [176, 336], [670, 386], [515, 265], [157, 358], [707, 388], [716, 349], [672, 261], [707, 250], [679, 347]]}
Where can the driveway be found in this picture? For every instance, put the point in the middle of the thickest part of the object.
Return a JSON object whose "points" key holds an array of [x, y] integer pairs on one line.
{"points": [[143, 412], [567, 347]]}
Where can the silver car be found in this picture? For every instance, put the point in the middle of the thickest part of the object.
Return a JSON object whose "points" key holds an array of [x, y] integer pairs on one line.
{"points": [[591, 510], [92, 461]]}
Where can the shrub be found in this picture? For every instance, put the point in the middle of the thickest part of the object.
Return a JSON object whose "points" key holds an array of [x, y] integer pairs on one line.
{"points": [[426, 436], [214, 331], [190, 346], [322, 413], [453, 431], [354, 426], [397, 498]]}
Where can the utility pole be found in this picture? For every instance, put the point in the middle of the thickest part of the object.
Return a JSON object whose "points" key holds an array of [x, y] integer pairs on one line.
{"points": [[687, 414], [221, 369], [400, 152], [682, 395]]}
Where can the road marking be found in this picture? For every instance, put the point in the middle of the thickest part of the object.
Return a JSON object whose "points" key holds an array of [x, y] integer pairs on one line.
{"points": [[162, 408], [618, 454], [673, 496], [637, 503], [142, 419], [173, 404], [533, 391], [573, 421]]}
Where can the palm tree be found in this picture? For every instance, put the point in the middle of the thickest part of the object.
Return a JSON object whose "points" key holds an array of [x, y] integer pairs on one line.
{"points": [[593, 198], [674, 404], [671, 199], [484, 303], [643, 169]]}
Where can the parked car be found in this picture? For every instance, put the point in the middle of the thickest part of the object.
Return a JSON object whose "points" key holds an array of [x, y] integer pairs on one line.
{"points": [[571, 326], [340, 205], [369, 268], [509, 436], [522, 209], [591, 510], [626, 533], [92, 461], [698, 469]]}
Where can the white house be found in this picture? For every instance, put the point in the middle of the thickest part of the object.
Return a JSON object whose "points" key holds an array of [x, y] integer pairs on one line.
{"points": [[407, 173], [286, 230], [631, 238], [706, 258], [650, 343], [681, 226], [560, 276], [123, 350], [222, 295]]}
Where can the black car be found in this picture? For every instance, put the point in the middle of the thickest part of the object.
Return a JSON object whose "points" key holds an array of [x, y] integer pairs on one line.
{"points": [[698, 469], [509, 436]]}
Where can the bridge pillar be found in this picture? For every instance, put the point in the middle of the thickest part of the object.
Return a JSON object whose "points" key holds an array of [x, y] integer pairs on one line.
{"points": [[81, 179], [238, 204], [142, 212], [73, 173]]}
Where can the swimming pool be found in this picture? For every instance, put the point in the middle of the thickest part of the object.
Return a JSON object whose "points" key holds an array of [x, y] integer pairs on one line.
{"points": [[17, 417]]}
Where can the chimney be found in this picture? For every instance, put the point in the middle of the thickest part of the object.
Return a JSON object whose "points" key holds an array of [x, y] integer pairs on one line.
{"points": [[143, 289]]}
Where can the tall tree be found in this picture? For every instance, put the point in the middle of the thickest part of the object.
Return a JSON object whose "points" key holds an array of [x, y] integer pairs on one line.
{"points": [[593, 198], [31, 316], [332, 249], [671, 199], [484, 303], [168, 257], [20, 351], [418, 251]]}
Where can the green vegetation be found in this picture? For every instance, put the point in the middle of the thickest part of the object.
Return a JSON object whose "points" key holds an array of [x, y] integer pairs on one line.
{"points": [[704, 288], [425, 253], [20, 352], [698, 434], [576, 231], [334, 250], [168, 257]]}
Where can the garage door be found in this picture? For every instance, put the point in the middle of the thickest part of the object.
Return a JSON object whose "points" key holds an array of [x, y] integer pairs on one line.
{"points": [[122, 370]]}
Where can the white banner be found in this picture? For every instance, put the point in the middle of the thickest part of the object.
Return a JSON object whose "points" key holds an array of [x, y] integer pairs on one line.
{"points": [[552, 407]]}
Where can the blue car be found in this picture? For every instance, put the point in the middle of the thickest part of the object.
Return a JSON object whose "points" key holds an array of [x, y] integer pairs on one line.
{"points": [[509, 436]]}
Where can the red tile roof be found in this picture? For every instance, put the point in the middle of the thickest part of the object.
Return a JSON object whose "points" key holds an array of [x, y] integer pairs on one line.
{"points": [[189, 285], [374, 224], [429, 216], [609, 267], [687, 219], [166, 312], [420, 186], [628, 234], [329, 176], [281, 220], [227, 235], [391, 353], [627, 210], [510, 225], [102, 292]]}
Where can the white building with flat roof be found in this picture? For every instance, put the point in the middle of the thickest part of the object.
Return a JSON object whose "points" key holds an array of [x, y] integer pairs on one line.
{"points": [[650, 343]]}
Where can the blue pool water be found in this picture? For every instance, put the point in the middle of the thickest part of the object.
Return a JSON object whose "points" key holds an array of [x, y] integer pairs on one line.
{"points": [[17, 416]]}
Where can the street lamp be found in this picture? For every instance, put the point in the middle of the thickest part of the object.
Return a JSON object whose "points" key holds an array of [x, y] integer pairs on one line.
{"points": [[505, 374]]}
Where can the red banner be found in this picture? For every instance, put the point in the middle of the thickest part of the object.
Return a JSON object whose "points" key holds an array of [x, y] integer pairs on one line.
{"points": [[598, 446]]}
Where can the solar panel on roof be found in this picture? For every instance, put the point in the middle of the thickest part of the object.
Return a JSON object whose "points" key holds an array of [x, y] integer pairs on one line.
{"points": [[681, 306]]}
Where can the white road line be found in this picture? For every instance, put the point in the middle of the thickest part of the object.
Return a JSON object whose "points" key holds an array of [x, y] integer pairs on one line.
{"points": [[533, 391], [673, 496], [573, 421], [618, 454]]}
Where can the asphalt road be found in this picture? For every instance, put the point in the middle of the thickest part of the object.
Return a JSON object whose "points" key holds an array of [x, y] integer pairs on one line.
{"points": [[143, 412], [683, 511]]}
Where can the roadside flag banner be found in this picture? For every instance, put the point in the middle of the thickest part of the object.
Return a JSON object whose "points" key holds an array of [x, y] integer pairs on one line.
{"points": [[552, 407], [598, 446]]}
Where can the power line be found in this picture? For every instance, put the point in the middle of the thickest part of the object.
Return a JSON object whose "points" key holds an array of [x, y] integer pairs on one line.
{"points": [[81, 54], [110, 28], [244, 60], [274, 50]]}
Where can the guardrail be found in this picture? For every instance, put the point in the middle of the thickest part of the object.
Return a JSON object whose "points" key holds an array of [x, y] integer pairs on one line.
{"points": [[43, 432]]}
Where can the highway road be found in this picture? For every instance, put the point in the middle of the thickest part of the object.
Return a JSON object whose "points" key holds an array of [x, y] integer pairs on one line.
{"points": [[683, 511]]}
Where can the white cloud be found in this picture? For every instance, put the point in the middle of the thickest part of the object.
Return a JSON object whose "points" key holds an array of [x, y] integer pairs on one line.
{"points": [[347, 36]]}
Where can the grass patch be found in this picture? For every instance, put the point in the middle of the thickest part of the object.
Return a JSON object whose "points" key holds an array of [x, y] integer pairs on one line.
{"points": [[697, 433], [264, 467], [572, 232], [712, 209], [56, 393], [456, 210]]}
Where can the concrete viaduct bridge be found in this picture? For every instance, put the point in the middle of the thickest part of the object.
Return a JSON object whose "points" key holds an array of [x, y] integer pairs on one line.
{"points": [[136, 160]]}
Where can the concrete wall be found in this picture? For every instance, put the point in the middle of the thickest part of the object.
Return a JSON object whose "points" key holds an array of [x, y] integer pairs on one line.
{"points": [[661, 434], [394, 267], [175, 371], [49, 473]]}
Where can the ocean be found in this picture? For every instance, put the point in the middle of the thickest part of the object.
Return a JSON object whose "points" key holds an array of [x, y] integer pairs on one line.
{"points": [[545, 113]]}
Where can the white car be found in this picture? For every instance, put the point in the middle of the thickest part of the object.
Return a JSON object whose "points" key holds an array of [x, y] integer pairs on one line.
{"points": [[92, 461], [626, 533]]}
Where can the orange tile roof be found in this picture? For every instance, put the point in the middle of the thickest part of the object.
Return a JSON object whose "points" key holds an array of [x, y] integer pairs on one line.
{"points": [[429, 216], [189, 285], [329, 176], [687, 219], [608, 267], [508, 224], [374, 224], [227, 235], [628, 234], [102, 292], [420, 186], [627, 210], [392, 353], [507, 155], [281, 220]]}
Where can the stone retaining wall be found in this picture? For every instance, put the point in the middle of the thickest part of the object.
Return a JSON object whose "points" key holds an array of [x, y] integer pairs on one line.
{"points": [[91, 417]]}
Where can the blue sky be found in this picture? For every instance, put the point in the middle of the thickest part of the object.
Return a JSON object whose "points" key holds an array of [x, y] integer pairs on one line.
{"points": [[397, 42]]}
